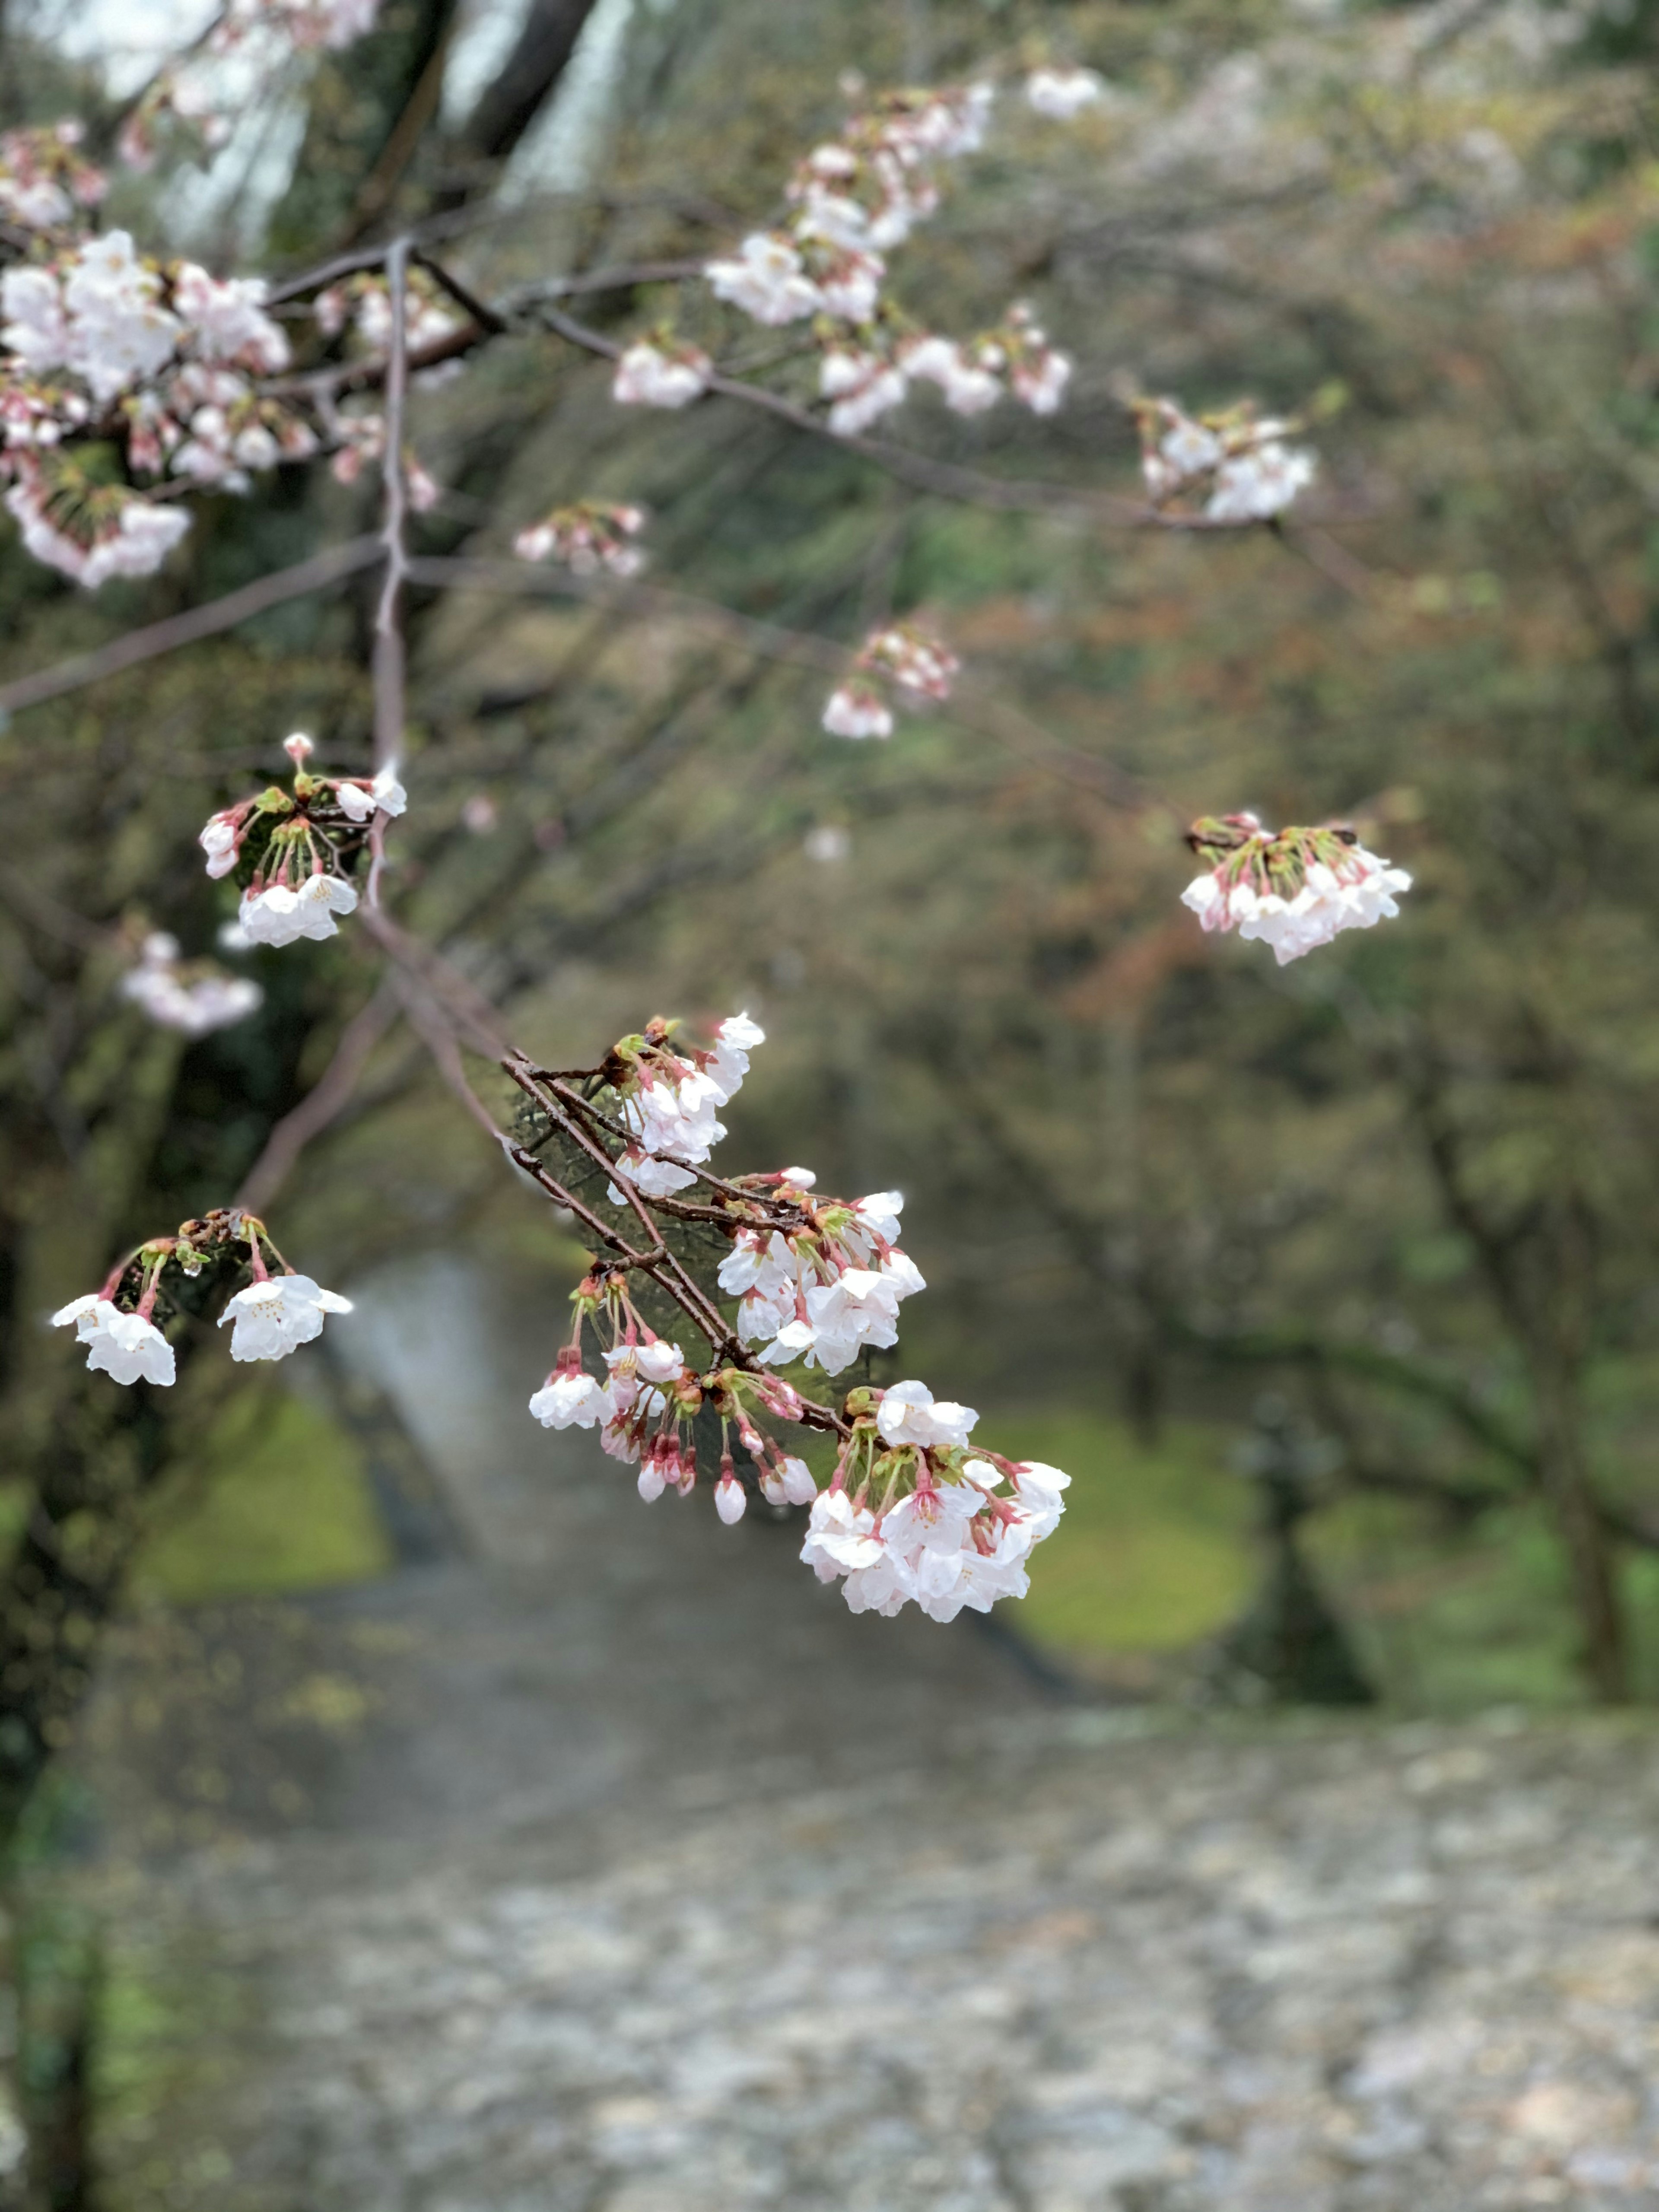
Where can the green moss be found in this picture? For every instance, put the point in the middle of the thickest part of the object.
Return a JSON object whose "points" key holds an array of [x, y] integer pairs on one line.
{"points": [[283, 1506], [1154, 1550]]}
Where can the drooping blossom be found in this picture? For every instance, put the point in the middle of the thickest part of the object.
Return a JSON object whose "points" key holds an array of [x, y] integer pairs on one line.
{"points": [[929, 1525], [896, 658], [591, 536], [1060, 94], [1294, 890], [855, 710], [359, 802], [731, 1498], [127, 1347], [196, 999], [276, 1316], [279, 916], [569, 1399], [824, 1295], [131, 537], [661, 376]]}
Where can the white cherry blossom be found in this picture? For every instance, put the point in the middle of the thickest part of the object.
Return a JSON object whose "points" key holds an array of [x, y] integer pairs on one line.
{"points": [[1255, 486], [854, 710], [385, 795], [909, 1415], [275, 1317], [126, 1347], [1060, 94], [569, 1399], [278, 915], [731, 1499], [648, 377], [768, 280]]}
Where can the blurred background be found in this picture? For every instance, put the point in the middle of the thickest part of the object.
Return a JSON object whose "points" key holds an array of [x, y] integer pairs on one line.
{"points": [[1331, 1286]]}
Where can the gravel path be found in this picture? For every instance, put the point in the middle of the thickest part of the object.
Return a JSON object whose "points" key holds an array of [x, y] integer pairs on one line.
{"points": [[641, 1878]]}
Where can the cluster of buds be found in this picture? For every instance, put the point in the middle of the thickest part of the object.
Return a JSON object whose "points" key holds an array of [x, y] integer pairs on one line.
{"points": [[588, 537], [915, 1513], [896, 662], [1293, 890], [1232, 466], [44, 180], [295, 850], [193, 996], [274, 1313]]}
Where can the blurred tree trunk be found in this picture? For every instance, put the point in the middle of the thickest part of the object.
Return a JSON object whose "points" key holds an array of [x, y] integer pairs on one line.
{"points": [[86, 1453]]}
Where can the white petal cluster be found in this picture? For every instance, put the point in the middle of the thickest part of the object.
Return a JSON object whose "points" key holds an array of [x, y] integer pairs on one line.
{"points": [[134, 544], [822, 1307], [275, 1317], [959, 1541], [1255, 486], [1060, 94], [651, 376], [1239, 465], [194, 1002], [570, 1400], [967, 377], [125, 1345], [360, 802], [1357, 896], [768, 279], [44, 180], [855, 710], [863, 386], [588, 539], [278, 915], [670, 1115]]}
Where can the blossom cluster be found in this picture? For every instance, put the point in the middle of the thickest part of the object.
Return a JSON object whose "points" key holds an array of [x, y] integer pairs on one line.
{"points": [[591, 537], [1232, 466], [1295, 889], [273, 1313], [914, 1514], [897, 661], [667, 1098], [44, 180], [827, 1289], [114, 368], [1061, 94], [298, 847], [196, 998], [853, 199]]}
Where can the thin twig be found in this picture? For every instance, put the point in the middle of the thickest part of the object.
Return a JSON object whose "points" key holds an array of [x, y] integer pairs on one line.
{"points": [[390, 714], [324, 1103], [329, 566]]}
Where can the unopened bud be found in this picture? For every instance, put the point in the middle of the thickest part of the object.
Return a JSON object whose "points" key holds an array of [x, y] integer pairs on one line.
{"points": [[298, 748]]}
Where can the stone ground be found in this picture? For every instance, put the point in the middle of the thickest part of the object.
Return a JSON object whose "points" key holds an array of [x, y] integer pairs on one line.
{"points": [[614, 1868]]}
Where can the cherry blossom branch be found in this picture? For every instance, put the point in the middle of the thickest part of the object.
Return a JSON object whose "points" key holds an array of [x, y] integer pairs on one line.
{"points": [[390, 658]]}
